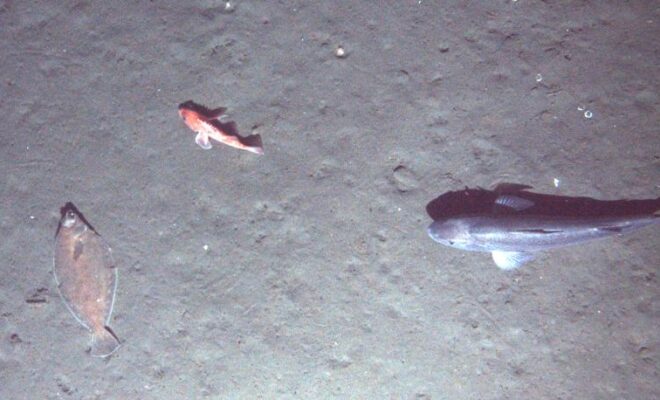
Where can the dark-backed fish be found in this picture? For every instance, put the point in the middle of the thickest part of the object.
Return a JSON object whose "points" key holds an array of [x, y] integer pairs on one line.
{"points": [[86, 278], [512, 236]]}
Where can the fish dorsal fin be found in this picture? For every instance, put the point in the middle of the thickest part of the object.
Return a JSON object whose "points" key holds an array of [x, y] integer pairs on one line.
{"points": [[513, 202], [215, 113], [506, 187], [511, 259]]}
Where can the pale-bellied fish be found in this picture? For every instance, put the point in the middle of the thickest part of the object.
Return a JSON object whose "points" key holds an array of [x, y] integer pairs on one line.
{"points": [[512, 236]]}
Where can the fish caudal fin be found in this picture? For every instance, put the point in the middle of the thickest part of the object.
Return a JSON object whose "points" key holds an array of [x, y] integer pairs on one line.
{"points": [[253, 144], [203, 141], [104, 343], [255, 150], [510, 259]]}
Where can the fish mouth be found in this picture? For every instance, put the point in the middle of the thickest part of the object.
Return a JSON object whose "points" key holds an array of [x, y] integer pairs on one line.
{"points": [[186, 105], [430, 232], [433, 234], [70, 216], [447, 237]]}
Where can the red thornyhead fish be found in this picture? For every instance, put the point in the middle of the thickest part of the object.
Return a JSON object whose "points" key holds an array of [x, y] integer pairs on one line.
{"points": [[207, 126]]}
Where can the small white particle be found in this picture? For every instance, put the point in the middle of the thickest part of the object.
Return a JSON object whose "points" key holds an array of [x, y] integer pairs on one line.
{"points": [[556, 182], [206, 247], [340, 52], [539, 77], [31, 216], [588, 114]]}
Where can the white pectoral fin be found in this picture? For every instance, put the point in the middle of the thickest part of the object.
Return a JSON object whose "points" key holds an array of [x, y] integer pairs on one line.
{"points": [[511, 259], [203, 141]]}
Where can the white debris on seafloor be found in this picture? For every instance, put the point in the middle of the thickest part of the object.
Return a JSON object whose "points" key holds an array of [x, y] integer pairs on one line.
{"points": [[587, 113]]}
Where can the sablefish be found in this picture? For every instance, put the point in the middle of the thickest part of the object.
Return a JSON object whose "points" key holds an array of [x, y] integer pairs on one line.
{"points": [[86, 278], [513, 237]]}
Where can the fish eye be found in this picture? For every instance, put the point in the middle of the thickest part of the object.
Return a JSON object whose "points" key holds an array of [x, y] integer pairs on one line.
{"points": [[69, 219]]}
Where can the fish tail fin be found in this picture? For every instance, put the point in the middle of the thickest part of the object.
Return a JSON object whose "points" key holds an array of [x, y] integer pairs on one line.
{"points": [[253, 144], [104, 343]]}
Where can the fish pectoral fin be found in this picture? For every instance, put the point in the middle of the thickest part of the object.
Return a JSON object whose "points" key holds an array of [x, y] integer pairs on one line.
{"points": [[513, 202], [511, 259], [202, 141]]}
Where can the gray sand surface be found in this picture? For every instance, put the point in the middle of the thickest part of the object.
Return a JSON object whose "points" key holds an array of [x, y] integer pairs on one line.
{"points": [[307, 273]]}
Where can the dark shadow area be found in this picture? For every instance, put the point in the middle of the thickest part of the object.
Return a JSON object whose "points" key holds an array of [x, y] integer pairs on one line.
{"points": [[473, 201]]}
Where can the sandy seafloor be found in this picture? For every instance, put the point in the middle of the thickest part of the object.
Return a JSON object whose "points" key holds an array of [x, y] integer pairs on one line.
{"points": [[319, 280]]}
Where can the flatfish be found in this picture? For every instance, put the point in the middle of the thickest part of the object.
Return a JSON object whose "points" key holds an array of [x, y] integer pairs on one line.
{"points": [[86, 278]]}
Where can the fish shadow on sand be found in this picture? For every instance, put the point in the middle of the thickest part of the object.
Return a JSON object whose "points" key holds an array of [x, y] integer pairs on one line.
{"points": [[229, 127], [476, 201]]}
